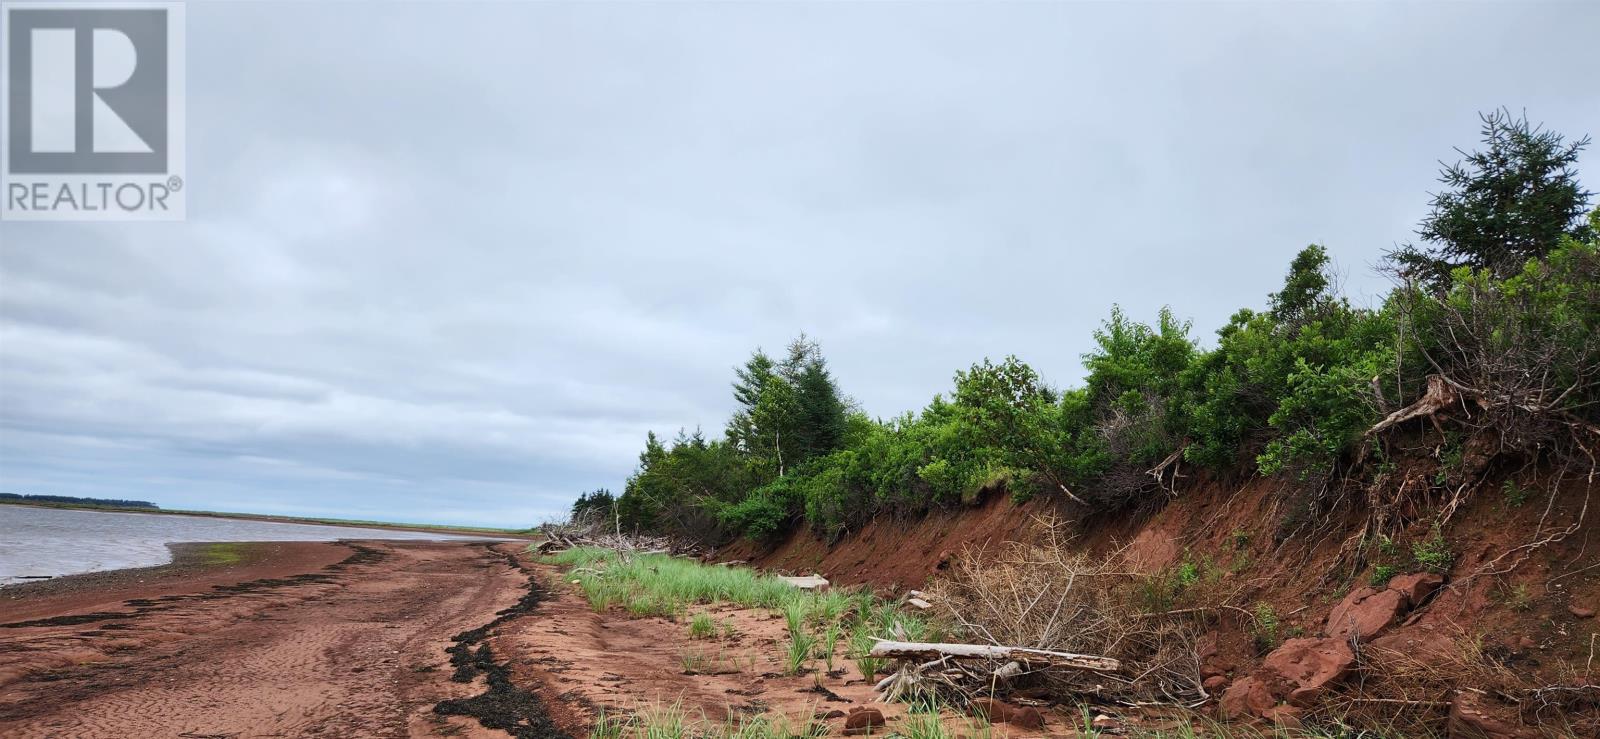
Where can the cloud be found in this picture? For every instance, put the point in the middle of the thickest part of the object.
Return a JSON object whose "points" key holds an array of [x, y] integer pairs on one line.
{"points": [[451, 262]]}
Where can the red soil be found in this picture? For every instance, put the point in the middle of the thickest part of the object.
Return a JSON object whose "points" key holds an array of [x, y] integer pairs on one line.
{"points": [[1536, 620], [355, 649], [895, 554]]}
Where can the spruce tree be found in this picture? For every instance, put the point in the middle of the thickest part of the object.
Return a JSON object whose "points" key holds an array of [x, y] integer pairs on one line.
{"points": [[1502, 206]]}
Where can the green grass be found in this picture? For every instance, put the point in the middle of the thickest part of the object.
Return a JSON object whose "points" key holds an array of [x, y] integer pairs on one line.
{"points": [[659, 585], [671, 721], [701, 626], [857, 650], [795, 613], [225, 553], [800, 645], [668, 585], [828, 641]]}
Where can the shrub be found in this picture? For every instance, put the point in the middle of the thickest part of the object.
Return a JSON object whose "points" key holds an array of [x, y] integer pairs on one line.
{"points": [[1266, 627], [1521, 348], [761, 516], [1009, 595], [1515, 495], [1433, 552]]}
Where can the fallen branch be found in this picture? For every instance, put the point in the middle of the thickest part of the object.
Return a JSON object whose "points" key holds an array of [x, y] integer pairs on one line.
{"points": [[932, 650]]}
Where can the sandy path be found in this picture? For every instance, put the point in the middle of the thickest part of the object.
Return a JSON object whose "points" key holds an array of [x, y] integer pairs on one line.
{"points": [[354, 649]]}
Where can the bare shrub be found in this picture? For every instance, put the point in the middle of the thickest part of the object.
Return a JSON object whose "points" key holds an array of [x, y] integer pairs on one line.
{"points": [[1135, 439], [1045, 595]]}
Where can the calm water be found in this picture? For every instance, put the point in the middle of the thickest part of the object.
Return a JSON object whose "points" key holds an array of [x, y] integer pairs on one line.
{"points": [[56, 542]]}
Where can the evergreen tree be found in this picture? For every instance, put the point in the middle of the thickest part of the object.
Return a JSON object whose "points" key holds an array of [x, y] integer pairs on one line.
{"points": [[820, 425], [747, 386], [1502, 206], [599, 506], [1307, 289]]}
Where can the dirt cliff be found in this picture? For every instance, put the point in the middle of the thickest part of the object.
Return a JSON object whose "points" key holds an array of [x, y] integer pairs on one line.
{"points": [[1476, 616]]}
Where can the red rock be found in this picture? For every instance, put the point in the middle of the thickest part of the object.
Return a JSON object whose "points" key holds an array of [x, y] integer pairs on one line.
{"points": [[1246, 698], [862, 720], [1410, 646], [1580, 611], [1298, 673], [1027, 717], [1365, 613], [1473, 716], [835, 713], [1000, 712], [1308, 667], [1214, 683], [1287, 717], [996, 711], [1416, 586]]}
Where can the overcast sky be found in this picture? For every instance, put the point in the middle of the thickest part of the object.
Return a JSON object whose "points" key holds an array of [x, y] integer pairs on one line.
{"points": [[450, 262]]}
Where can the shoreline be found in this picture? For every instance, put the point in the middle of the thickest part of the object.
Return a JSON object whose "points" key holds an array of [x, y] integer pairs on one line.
{"points": [[346, 638], [481, 531], [194, 566]]}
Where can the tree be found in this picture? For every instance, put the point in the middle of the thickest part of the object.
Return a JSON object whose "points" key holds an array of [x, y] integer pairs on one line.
{"points": [[1307, 290], [822, 412], [598, 506], [747, 385], [789, 411], [1014, 412], [774, 423], [1502, 206]]}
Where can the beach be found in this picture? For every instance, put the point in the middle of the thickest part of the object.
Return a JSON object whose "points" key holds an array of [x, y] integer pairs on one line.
{"points": [[343, 639]]}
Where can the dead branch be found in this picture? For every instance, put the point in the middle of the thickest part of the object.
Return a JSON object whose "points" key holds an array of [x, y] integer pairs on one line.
{"points": [[933, 650]]}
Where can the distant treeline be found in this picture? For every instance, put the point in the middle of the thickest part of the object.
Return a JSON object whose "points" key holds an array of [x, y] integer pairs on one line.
{"points": [[72, 500]]}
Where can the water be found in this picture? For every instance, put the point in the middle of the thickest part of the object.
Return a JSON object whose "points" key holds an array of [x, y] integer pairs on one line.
{"points": [[56, 541]]}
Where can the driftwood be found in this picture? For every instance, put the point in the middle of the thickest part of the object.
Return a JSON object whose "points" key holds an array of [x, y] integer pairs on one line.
{"points": [[806, 582], [1023, 655], [560, 537]]}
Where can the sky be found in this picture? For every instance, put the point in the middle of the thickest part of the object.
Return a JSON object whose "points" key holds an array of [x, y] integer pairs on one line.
{"points": [[450, 262]]}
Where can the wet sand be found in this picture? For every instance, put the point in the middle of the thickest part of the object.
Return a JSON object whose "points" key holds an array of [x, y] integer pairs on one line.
{"points": [[273, 639]]}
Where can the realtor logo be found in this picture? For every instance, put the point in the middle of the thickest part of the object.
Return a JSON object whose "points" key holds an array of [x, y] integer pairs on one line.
{"points": [[93, 111]]}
